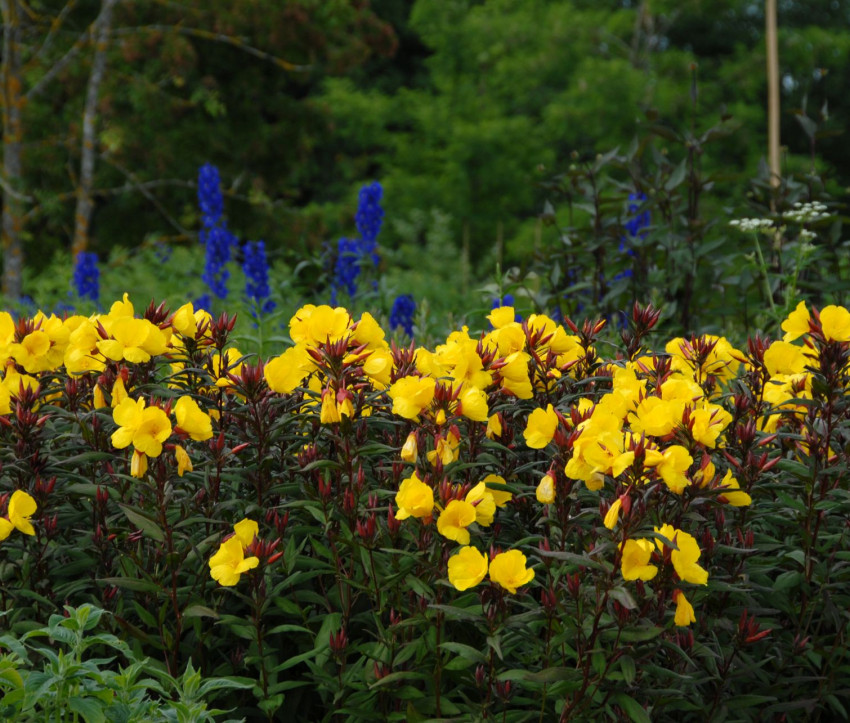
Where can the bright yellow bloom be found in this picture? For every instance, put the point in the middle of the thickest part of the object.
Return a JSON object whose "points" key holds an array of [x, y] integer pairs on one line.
{"points": [[546, 489], [378, 366], [797, 323], [226, 364], [411, 395], [314, 325], [613, 514], [368, 332], [246, 530], [835, 322], [485, 504], [454, 520], [135, 340], [21, 508], [228, 564], [119, 392], [410, 449], [784, 358], [685, 558], [467, 568], [494, 426], [502, 316], [138, 464], [285, 373], [500, 497], [541, 427], [145, 428], [675, 462], [684, 610], [732, 492], [330, 412], [446, 449], [508, 570], [192, 420], [473, 404], [657, 417], [514, 375], [634, 563], [414, 498], [184, 461]]}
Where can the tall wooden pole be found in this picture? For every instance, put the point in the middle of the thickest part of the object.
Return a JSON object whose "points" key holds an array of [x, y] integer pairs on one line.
{"points": [[772, 92]]}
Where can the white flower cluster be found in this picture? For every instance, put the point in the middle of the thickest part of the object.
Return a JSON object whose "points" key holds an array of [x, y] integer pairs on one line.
{"points": [[806, 212], [751, 224]]}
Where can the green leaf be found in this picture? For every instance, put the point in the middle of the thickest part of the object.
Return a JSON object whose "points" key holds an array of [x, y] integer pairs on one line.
{"points": [[90, 709], [636, 712], [144, 523]]}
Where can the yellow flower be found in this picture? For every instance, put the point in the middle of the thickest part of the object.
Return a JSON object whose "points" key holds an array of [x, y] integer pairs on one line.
{"points": [[411, 395], [145, 428], [184, 461], [228, 564], [500, 497], [784, 358], [634, 563], [454, 520], [684, 610], [330, 412], [316, 325], [546, 489], [685, 558], [835, 322], [446, 449], [135, 340], [119, 392], [485, 504], [473, 404], [414, 498], [192, 420], [138, 464], [494, 426], [797, 323], [613, 514], [368, 332], [225, 364], [467, 568], [541, 427], [508, 570], [285, 373], [675, 462], [734, 496], [501, 316], [246, 530], [410, 450], [21, 508]]}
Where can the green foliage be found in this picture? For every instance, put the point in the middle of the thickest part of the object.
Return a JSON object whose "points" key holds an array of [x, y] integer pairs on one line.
{"points": [[53, 671]]}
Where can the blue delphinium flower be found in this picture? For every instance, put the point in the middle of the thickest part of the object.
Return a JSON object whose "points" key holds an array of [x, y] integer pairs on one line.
{"points": [[256, 269], [217, 240], [209, 195], [638, 222], [635, 226], [402, 313], [86, 278], [352, 254], [214, 234]]}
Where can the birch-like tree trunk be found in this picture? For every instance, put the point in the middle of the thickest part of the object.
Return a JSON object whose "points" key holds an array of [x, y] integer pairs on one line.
{"points": [[82, 217], [13, 100]]}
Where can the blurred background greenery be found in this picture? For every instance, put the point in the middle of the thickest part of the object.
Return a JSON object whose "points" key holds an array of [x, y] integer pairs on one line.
{"points": [[487, 123]]}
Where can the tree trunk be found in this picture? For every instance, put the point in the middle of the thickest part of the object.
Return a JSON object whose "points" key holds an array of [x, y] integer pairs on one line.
{"points": [[82, 217], [772, 92], [13, 101]]}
